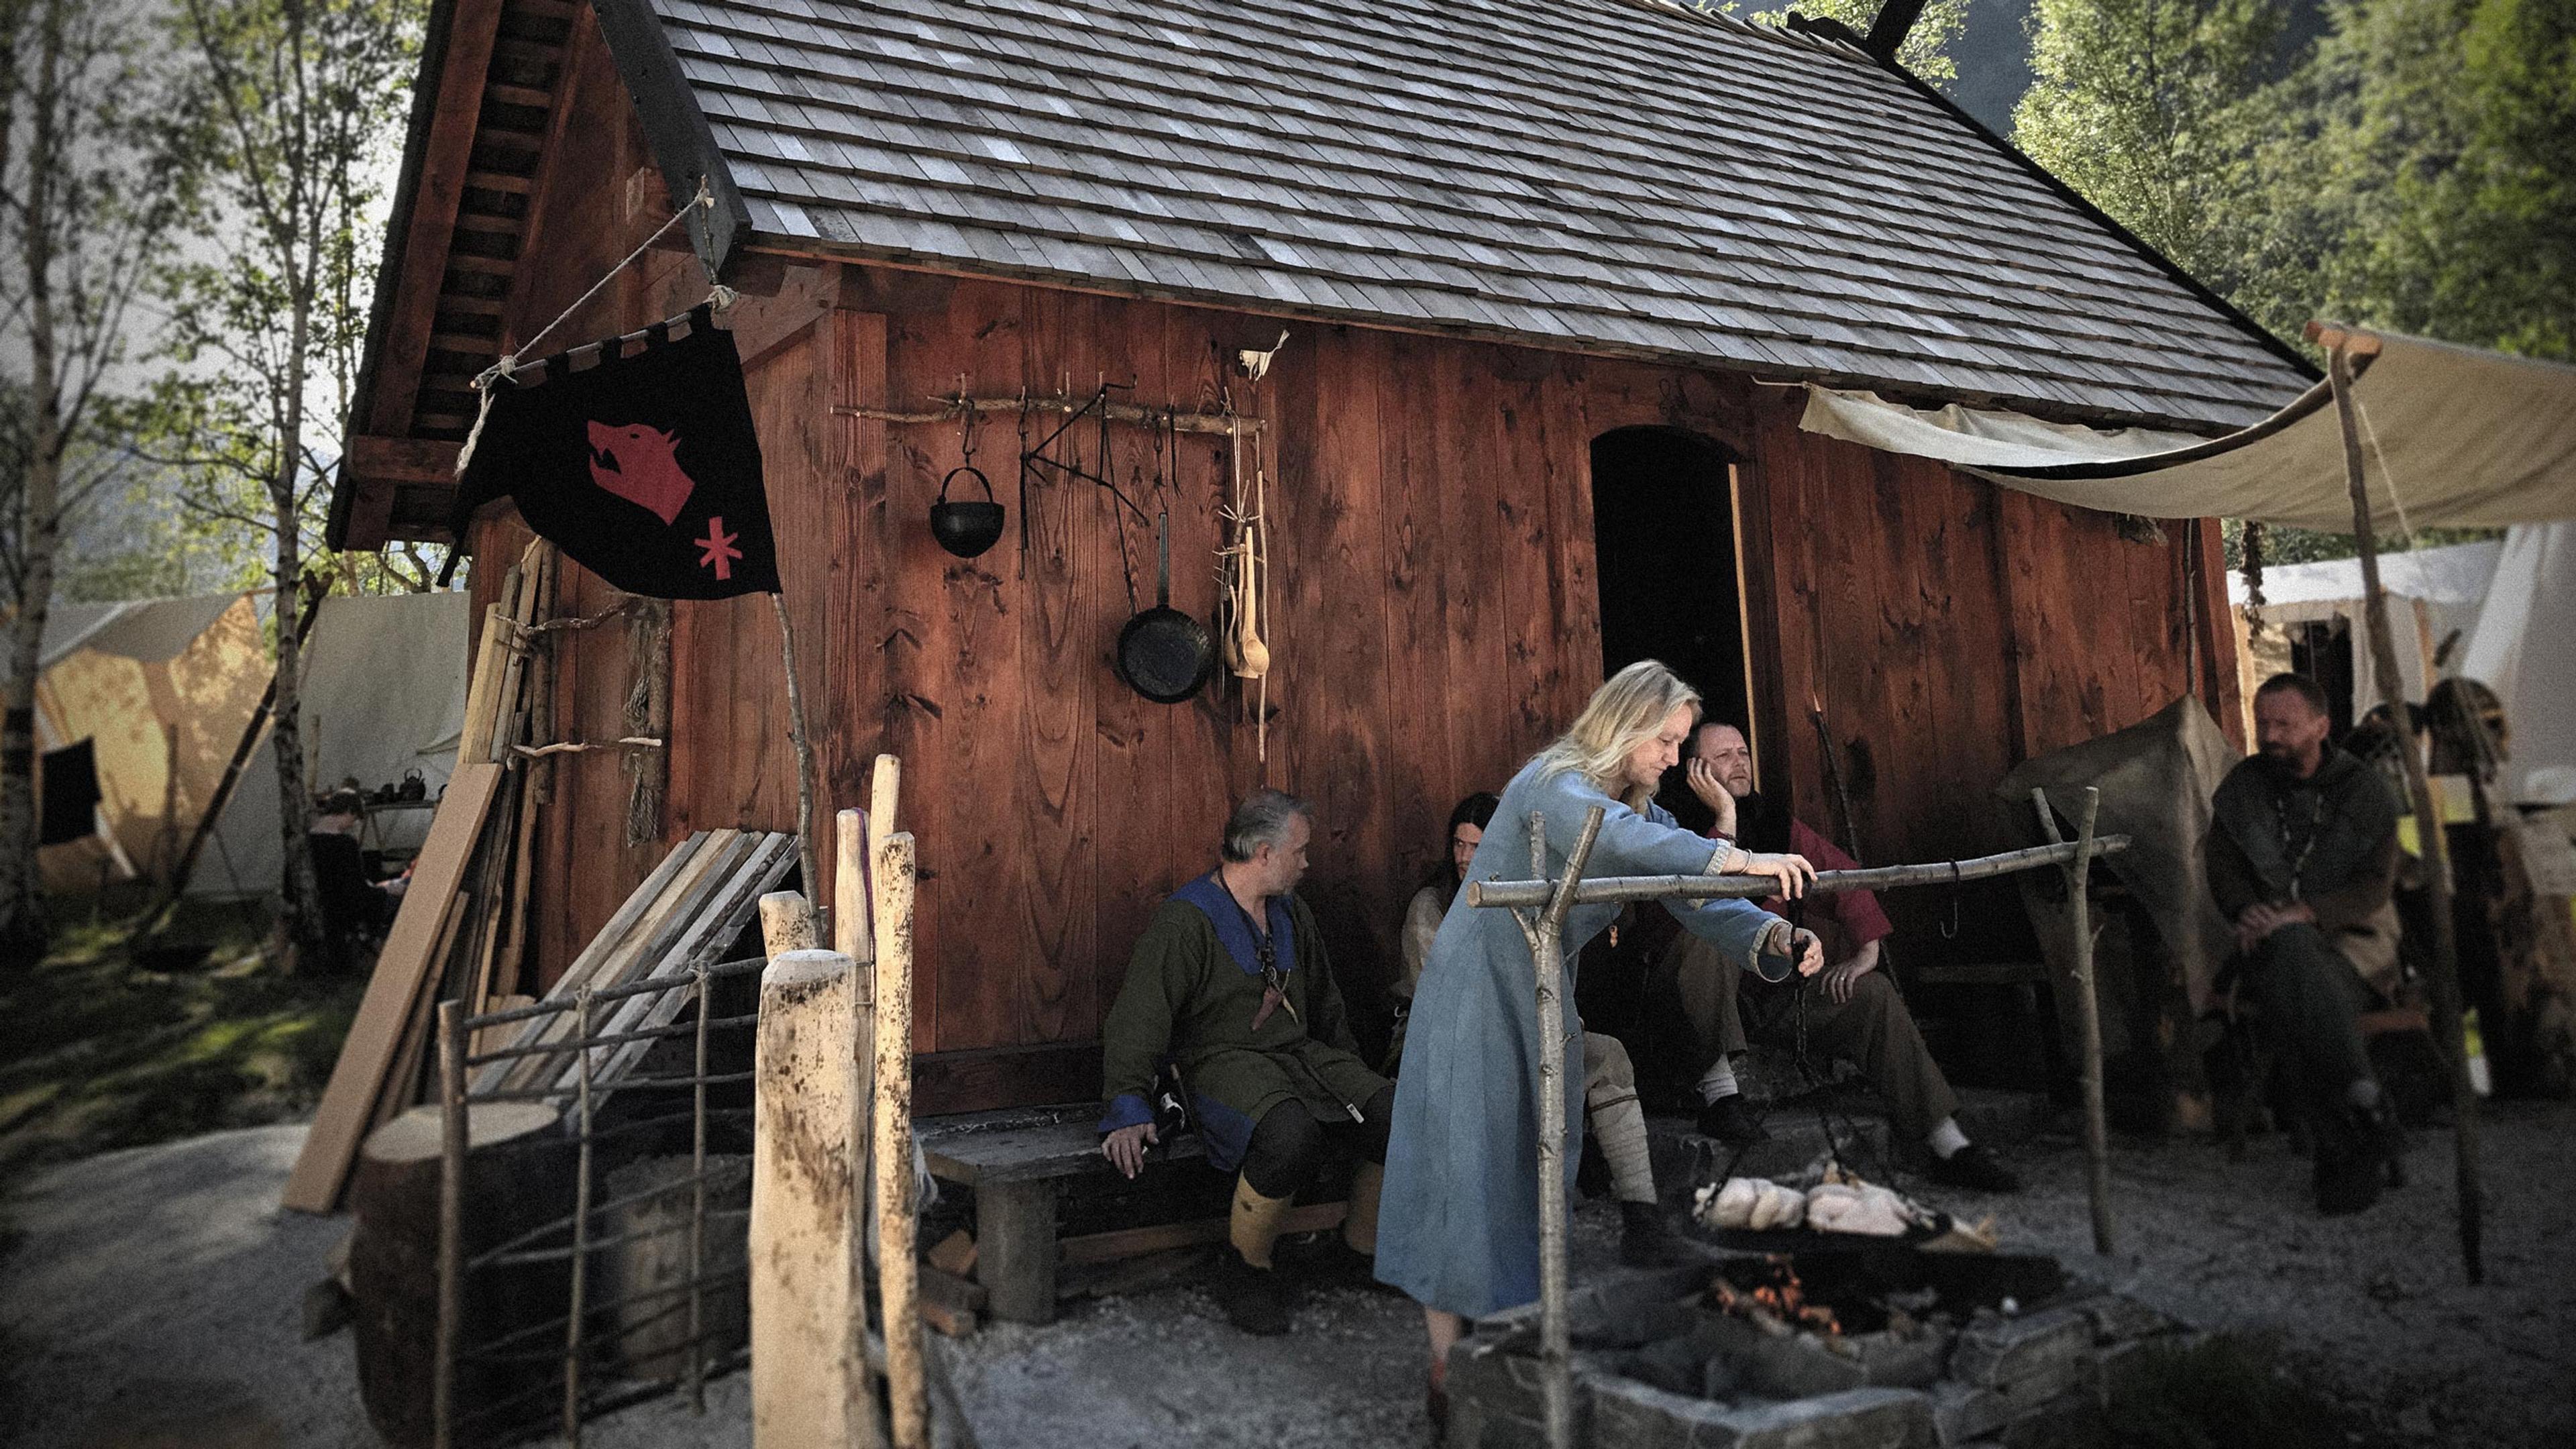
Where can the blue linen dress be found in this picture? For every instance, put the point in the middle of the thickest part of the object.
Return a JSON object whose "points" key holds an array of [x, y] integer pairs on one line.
{"points": [[1458, 1225]]}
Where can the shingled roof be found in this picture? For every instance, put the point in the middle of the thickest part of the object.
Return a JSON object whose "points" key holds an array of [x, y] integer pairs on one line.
{"points": [[1618, 176]]}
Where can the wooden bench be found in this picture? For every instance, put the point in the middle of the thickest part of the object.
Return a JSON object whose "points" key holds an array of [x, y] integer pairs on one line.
{"points": [[1015, 1160]]}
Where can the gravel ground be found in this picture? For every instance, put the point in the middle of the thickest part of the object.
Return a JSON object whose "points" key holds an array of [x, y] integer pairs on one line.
{"points": [[151, 1299]]}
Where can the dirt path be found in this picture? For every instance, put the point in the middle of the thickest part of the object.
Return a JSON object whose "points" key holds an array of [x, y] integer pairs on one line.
{"points": [[151, 1300]]}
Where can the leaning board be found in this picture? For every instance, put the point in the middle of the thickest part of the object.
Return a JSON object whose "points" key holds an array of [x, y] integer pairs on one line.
{"points": [[368, 1054]]}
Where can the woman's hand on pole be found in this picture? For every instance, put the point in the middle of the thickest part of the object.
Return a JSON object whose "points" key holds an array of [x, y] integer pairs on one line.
{"points": [[1792, 871]]}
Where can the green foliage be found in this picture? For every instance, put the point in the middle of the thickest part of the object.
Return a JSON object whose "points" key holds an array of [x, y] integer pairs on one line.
{"points": [[2152, 109], [291, 119], [2415, 169], [1926, 51], [2446, 150]]}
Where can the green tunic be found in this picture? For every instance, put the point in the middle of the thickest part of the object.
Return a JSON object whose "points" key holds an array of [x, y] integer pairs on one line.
{"points": [[1193, 990]]}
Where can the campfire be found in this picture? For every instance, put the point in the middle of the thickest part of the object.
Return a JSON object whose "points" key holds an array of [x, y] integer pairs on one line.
{"points": [[1841, 1339], [1776, 1306]]}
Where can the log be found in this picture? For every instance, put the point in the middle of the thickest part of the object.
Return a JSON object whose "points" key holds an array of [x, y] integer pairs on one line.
{"points": [[517, 1177], [954, 1254], [807, 1386]]}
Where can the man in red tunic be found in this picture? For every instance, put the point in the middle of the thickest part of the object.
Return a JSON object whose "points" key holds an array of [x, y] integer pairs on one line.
{"points": [[1850, 1008]]}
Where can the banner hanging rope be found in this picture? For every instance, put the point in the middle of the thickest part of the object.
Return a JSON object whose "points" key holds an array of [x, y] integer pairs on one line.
{"points": [[720, 298]]}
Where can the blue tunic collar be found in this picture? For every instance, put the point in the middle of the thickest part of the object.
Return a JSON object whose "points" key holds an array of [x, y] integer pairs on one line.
{"points": [[1234, 925]]}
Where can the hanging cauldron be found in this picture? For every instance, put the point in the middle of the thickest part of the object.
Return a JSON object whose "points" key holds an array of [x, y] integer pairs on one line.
{"points": [[966, 528]]}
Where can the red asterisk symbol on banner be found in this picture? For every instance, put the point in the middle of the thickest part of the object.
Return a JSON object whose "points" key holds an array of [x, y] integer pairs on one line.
{"points": [[717, 549]]}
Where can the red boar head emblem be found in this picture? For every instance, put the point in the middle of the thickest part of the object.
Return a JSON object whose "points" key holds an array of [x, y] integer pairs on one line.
{"points": [[639, 464]]}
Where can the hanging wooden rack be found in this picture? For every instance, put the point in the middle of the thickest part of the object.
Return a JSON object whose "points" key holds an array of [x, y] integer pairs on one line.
{"points": [[952, 406]]}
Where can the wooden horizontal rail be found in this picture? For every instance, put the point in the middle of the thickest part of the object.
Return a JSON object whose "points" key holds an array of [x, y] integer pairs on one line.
{"points": [[1755, 887], [950, 410]]}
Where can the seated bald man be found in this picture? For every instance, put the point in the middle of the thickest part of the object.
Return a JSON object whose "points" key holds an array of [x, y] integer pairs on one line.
{"points": [[1851, 1010], [1230, 983]]}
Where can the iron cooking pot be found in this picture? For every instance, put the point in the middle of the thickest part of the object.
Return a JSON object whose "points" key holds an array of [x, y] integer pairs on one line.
{"points": [[966, 528]]}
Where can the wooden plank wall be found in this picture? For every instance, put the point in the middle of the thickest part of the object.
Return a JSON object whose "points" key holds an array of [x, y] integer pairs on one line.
{"points": [[1433, 615]]}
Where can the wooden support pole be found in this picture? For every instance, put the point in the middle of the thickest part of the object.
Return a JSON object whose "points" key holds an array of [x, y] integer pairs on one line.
{"points": [[898, 1277], [453, 1145], [578, 1312], [807, 1377], [808, 860], [1545, 931], [786, 924], [854, 936], [2088, 1007], [2342, 345]]}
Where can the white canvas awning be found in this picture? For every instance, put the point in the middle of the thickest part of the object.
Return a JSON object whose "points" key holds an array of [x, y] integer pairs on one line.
{"points": [[2451, 436]]}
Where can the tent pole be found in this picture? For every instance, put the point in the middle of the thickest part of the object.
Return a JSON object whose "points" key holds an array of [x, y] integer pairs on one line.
{"points": [[2428, 818]]}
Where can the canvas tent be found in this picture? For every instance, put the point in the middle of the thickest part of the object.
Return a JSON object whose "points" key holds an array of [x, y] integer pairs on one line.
{"points": [[384, 694], [2524, 647], [162, 689], [2451, 436], [2433, 594]]}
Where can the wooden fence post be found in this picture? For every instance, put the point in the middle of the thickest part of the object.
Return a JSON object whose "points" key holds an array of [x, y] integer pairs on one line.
{"points": [[898, 1282], [803, 1279]]}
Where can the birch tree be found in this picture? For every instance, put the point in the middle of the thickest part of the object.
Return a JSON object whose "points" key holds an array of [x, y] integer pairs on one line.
{"points": [[84, 200], [291, 115]]}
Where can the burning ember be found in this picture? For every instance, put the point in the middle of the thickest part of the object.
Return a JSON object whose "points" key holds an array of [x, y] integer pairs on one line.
{"points": [[1778, 1305]]}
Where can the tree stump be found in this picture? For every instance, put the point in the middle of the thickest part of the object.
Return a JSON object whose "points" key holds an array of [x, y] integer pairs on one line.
{"points": [[518, 1177]]}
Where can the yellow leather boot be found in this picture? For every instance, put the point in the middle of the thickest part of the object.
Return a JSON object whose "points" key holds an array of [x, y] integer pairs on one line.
{"points": [[1252, 1293], [1359, 1229]]}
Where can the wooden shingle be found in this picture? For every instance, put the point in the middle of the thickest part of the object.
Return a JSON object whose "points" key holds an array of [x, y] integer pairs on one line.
{"points": [[1614, 176]]}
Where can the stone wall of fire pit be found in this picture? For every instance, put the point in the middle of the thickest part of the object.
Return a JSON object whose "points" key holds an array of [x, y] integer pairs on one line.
{"points": [[1658, 1365]]}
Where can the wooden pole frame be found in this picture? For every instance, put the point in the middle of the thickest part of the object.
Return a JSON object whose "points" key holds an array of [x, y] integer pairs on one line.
{"points": [[2342, 345], [2088, 1005], [1540, 906], [1757, 887], [1544, 929]]}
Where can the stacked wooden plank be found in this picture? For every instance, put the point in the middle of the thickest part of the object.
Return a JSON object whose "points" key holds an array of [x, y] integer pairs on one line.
{"points": [[684, 916], [461, 930]]}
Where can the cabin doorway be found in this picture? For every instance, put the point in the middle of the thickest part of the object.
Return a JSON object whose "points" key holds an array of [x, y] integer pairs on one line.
{"points": [[1664, 527], [1672, 578]]}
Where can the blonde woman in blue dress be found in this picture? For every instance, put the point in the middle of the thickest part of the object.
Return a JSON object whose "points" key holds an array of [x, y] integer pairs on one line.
{"points": [[1459, 1226]]}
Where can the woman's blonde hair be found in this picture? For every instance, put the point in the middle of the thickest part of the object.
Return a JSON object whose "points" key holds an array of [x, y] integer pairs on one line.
{"points": [[1625, 712]]}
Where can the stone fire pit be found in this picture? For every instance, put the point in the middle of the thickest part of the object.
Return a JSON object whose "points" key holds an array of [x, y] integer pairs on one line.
{"points": [[1928, 1349]]}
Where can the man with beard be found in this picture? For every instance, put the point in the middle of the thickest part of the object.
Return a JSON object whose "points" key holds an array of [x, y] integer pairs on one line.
{"points": [[1849, 1010], [2302, 857]]}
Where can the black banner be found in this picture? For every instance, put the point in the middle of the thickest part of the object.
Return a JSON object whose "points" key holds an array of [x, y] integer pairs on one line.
{"points": [[644, 469]]}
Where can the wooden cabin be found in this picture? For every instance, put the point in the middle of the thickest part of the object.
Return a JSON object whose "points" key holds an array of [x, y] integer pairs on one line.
{"points": [[1554, 276]]}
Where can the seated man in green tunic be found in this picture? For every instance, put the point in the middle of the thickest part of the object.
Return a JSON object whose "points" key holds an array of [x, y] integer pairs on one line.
{"points": [[1229, 982], [2302, 858]]}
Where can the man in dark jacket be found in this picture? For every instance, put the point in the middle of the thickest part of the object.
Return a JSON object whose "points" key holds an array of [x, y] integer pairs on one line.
{"points": [[1849, 1011], [2302, 857], [1231, 984]]}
